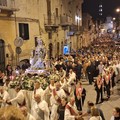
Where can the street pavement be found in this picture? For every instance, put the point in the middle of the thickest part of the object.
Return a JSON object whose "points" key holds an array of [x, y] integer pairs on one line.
{"points": [[106, 106]]}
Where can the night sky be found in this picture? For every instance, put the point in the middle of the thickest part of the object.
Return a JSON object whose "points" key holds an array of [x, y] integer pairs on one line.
{"points": [[109, 7]]}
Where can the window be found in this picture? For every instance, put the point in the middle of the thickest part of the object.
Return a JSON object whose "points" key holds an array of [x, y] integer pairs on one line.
{"points": [[50, 35], [56, 10], [100, 9], [24, 31], [100, 5], [3, 2], [58, 48]]}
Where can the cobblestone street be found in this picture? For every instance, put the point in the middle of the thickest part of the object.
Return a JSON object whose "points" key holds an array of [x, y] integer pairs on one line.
{"points": [[106, 106]]}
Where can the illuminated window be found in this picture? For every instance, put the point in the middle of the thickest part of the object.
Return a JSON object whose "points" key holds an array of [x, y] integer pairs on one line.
{"points": [[100, 10], [100, 5], [77, 18]]}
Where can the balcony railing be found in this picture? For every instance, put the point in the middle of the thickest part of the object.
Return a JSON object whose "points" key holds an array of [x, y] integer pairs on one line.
{"points": [[3, 3], [7, 7], [65, 20], [51, 20], [6, 4], [60, 20]]}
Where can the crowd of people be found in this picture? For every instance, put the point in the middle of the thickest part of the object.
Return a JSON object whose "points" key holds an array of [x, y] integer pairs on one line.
{"points": [[63, 98]]}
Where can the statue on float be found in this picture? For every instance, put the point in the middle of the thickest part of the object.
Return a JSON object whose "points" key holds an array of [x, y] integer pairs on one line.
{"points": [[38, 56]]}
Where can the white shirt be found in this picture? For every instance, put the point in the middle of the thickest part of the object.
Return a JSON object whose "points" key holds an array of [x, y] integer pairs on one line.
{"points": [[96, 118], [49, 88], [20, 97], [72, 75], [63, 84], [62, 74], [68, 115], [44, 107], [30, 117], [40, 91], [101, 68], [5, 97], [60, 94]]}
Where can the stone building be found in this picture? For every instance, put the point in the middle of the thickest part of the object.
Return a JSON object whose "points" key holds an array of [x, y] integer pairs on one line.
{"points": [[89, 26], [57, 22]]}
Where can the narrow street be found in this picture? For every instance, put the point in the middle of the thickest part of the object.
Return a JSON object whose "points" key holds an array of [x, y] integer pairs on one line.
{"points": [[106, 106]]}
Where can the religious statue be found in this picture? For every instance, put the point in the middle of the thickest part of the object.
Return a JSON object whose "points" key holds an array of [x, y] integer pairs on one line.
{"points": [[37, 59]]}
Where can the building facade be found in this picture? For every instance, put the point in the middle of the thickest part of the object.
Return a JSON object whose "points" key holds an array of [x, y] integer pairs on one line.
{"points": [[56, 22]]}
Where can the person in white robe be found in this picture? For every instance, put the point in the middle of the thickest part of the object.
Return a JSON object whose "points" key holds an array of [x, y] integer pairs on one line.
{"points": [[37, 90], [20, 98], [72, 75], [7, 84], [4, 96], [48, 92], [71, 112], [71, 82], [41, 110], [62, 73], [57, 95]]}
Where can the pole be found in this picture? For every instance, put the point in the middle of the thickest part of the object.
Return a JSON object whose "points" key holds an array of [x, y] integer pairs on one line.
{"points": [[16, 31]]}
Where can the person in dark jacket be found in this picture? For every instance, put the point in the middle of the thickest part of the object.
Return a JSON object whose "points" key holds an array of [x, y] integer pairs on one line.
{"points": [[61, 108], [78, 70], [98, 88], [90, 72], [9, 70], [80, 94]]}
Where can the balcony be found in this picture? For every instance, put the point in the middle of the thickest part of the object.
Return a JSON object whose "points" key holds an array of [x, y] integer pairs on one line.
{"points": [[65, 21], [51, 22], [77, 30], [74, 28], [7, 7]]}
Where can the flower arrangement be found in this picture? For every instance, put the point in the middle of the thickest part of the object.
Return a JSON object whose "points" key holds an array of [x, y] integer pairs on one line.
{"points": [[27, 80]]}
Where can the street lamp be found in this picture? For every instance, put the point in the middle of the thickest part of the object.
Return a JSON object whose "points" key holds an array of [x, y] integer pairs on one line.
{"points": [[114, 19], [118, 10]]}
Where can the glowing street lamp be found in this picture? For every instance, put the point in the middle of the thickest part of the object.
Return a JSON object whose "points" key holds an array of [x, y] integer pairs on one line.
{"points": [[118, 10], [114, 18]]}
